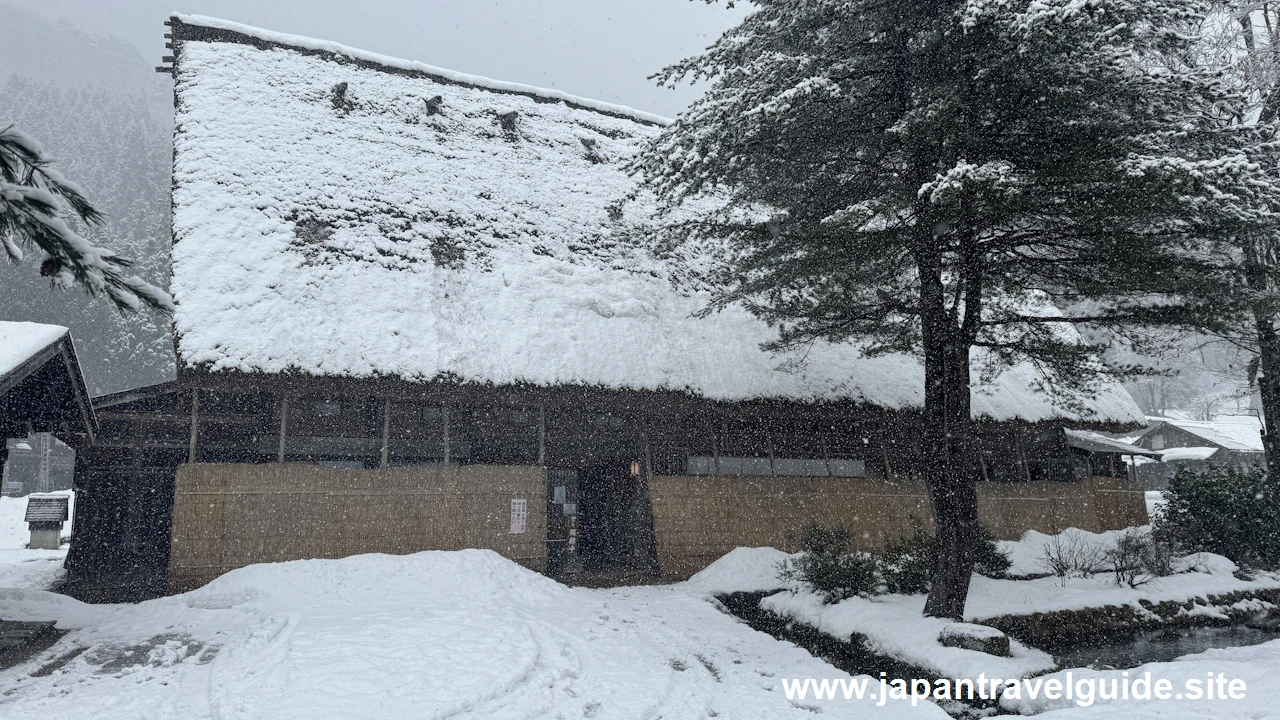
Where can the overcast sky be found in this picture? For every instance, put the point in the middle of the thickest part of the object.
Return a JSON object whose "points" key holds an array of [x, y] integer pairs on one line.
{"points": [[603, 49]]}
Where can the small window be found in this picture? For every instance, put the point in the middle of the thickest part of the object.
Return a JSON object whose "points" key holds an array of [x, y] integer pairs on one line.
{"points": [[1157, 442], [327, 407], [607, 420]]}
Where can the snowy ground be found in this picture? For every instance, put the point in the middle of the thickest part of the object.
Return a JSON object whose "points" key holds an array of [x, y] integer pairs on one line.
{"points": [[894, 626], [20, 567], [438, 634], [1258, 696]]}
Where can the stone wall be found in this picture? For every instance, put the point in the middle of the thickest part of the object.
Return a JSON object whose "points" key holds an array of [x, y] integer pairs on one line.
{"points": [[698, 519], [227, 516]]}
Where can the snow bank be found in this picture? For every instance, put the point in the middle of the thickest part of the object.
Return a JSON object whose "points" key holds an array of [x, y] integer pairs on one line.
{"points": [[894, 625], [20, 341], [22, 568], [741, 570], [359, 233], [463, 634]]}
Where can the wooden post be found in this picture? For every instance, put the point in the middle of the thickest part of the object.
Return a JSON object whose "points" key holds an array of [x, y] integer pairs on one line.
{"points": [[648, 455], [284, 422], [542, 434], [444, 414], [386, 431], [826, 457], [1022, 455], [768, 440], [724, 428], [195, 425]]}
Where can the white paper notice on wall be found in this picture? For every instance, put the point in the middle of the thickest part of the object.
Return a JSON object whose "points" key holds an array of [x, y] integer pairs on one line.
{"points": [[519, 515]]}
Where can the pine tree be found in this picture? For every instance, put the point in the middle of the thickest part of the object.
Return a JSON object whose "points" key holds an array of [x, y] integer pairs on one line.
{"points": [[939, 177], [1243, 37], [108, 140], [35, 201]]}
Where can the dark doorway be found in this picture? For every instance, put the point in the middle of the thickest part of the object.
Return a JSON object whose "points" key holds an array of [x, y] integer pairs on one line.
{"points": [[606, 495]]}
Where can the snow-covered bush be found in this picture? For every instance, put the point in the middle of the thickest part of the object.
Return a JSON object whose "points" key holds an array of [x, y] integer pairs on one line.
{"points": [[1223, 511], [1072, 554], [906, 563], [904, 566], [1139, 558], [827, 568]]}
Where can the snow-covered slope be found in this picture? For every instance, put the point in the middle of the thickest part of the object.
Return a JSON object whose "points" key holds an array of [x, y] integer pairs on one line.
{"points": [[333, 217], [439, 634]]}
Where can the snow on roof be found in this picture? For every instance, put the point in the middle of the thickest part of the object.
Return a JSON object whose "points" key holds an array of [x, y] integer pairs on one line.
{"points": [[1188, 453], [337, 212], [1093, 442], [1241, 433], [21, 341]]}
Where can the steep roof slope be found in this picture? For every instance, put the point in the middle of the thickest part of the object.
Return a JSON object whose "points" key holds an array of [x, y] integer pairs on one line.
{"points": [[342, 213]]}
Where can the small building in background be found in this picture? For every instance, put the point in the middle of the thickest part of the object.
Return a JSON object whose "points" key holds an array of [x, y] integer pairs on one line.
{"points": [[46, 514], [1226, 441], [42, 393]]}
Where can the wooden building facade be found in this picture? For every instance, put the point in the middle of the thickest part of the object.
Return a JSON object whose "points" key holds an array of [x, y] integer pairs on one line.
{"points": [[412, 315]]}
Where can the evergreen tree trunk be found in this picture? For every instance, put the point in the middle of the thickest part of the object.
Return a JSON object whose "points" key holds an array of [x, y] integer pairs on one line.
{"points": [[947, 428], [1264, 322]]}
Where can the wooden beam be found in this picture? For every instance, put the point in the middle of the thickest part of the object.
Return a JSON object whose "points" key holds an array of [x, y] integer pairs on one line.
{"points": [[193, 448], [386, 431], [542, 434], [444, 413], [768, 441], [715, 469], [284, 422]]}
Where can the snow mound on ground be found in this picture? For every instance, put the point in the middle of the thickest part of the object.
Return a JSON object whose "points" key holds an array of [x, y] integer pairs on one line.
{"points": [[741, 570], [461, 576]]}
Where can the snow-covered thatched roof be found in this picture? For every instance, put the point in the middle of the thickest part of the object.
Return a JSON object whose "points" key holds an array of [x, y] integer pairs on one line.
{"points": [[338, 212]]}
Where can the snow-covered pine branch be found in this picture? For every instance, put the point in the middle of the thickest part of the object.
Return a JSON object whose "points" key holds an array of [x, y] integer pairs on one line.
{"points": [[35, 200]]}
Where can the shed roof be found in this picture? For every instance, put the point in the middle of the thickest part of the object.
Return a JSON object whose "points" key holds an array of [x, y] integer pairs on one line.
{"points": [[21, 342], [41, 386], [1093, 442], [338, 212], [46, 508]]}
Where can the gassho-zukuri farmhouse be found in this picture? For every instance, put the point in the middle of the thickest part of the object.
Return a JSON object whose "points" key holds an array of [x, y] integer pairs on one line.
{"points": [[410, 317]]}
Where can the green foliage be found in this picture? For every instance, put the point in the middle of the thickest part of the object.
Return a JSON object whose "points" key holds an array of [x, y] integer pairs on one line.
{"points": [[906, 563], [37, 205], [1223, 511], [903, 566], [989, 560], [826, 567]]}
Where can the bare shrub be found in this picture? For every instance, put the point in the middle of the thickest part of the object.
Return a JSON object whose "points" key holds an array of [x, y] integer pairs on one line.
{"points": [[1138, 558], [1069, 555]]}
